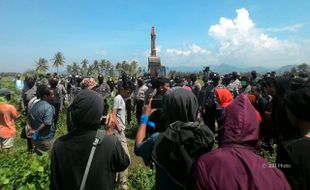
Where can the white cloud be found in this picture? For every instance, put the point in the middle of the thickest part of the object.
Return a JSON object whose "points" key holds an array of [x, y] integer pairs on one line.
{"points": [[192, 50], [176, 52], [101, 52], [240, 42], [291, 28], [191, 55]]}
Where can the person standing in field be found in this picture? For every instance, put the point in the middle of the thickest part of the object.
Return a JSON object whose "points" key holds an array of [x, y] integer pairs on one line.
{"points": [[119, 117], [19, 83], [71, 152], [8, 115], [139, 97], [104, 89], [41, 120]]}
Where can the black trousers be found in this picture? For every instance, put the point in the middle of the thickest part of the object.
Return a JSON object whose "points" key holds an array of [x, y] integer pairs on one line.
{"points": [[139, 106]]}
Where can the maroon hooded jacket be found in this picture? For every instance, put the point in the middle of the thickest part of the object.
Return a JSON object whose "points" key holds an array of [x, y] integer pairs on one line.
{"points": [[235, 165]]}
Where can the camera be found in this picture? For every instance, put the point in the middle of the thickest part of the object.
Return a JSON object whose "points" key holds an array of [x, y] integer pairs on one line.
{"points": [[157, 103]]}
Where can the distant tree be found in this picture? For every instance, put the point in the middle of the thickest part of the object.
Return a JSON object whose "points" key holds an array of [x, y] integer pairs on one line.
{"points": [[84, 64], [303, 67], [119, 68], [294, 71], [125, 67], [30, 73], [90, 71], [69, 69], [103, 66], [41, 66], [96, 67], [76, 70], [110, 68], [172, 73], [140, 71], [133, 68], [58, 60]]}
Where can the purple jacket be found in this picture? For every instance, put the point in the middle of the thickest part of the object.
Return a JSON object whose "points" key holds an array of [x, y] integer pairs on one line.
{"points": [[235, 165]]}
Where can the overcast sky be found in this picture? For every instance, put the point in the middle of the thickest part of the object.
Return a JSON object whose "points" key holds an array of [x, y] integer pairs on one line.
{"points": [[189, 32]]}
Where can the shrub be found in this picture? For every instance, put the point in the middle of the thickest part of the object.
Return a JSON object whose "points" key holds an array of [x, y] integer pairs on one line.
{"points": [[140, 178], [22, 170]]}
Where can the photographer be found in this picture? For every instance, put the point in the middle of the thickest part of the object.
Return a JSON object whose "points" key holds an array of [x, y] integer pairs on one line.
{"points": [[178, 141], [162, 86]]}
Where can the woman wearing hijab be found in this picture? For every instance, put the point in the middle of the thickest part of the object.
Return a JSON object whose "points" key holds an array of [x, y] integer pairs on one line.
{"points": [[70, 152], [223, 98], [181, 140], [235, 165]]}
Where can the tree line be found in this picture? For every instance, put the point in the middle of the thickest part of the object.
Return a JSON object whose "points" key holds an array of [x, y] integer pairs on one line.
{"points": [[85, 68]]}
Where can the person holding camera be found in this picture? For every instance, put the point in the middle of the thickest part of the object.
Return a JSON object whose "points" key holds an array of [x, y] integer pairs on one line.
{"points": [[176, 143]]}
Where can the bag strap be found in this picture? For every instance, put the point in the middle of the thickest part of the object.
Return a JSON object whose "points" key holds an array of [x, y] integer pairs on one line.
{"points": [[101, 132]]}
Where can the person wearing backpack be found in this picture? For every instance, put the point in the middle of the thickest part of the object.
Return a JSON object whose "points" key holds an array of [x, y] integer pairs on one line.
{"points": [[104, 89], [175, 147], [71, 153]]}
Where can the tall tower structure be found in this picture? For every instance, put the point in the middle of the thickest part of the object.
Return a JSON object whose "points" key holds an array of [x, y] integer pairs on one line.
{"points": [[153, 60], [153, 38]]}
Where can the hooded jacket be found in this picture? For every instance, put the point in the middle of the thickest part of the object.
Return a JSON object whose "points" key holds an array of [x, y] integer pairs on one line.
{"points": [[184, 139], [70, 152], [235, 165]]}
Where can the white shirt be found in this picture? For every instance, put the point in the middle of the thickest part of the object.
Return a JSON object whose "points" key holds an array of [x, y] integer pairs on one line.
{"points": [[120, 107], [140, 93], [19, 84]]}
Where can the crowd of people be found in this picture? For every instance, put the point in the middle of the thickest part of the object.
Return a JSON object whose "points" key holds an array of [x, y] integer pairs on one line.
{"points": [[180, 120]]}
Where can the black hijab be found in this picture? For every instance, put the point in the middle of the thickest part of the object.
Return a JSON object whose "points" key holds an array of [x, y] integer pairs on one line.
{"points": [[86, 110], [180, 105]]}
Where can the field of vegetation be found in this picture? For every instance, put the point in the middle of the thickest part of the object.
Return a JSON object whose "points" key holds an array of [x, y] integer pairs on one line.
{"points": [[22, 170]]}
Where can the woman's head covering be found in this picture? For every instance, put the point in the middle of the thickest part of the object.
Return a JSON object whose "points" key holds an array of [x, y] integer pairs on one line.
{"points": [[252, 98], [298, 102], [88, 83], [224, 97], [239, 123], [180, 105], [86, 110]]}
